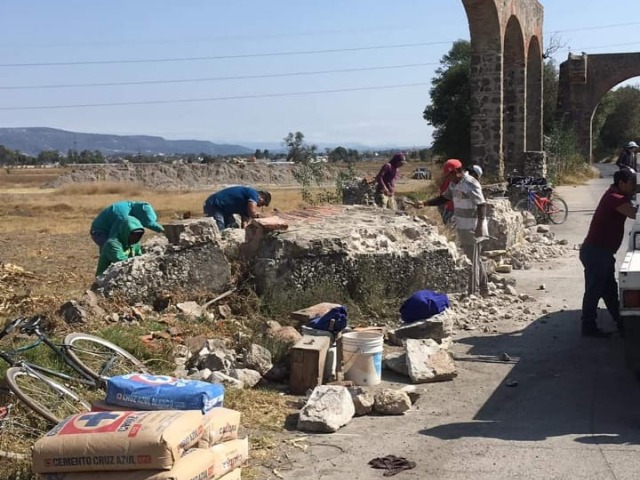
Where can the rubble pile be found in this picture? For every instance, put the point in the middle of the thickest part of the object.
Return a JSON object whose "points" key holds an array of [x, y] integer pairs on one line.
{"points": [[194, 258], [353, 246], [361, 192]]}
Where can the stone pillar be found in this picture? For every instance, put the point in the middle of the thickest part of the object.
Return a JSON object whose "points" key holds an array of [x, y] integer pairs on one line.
{"points": [[535, 164], [486, 111], [514, 117]]}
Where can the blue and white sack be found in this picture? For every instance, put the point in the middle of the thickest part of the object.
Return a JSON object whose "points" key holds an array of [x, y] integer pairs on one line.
{"points": [[161, 392]]}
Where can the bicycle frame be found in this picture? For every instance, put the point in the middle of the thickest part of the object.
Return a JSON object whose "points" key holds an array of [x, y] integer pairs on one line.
{"points": [[539, 201], [84, 379]]}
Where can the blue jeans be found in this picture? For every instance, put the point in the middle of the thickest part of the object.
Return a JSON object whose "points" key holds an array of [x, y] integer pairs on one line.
{"points": [[223, 221], [599, 282], [99, 238]]}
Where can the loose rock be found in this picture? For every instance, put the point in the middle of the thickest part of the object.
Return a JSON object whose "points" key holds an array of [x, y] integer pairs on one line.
{"points": [[391, 402], [328, 409], [258, 358], [427, 362]]}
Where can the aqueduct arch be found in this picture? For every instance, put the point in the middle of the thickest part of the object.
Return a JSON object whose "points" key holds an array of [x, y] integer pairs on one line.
{"points": [[506, 83], [584, 79]]}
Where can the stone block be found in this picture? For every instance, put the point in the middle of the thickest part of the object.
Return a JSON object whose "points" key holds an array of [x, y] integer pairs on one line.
{"points": [[306, 314], [226, 380], [258, 358], [250, 378], [200, 268], [73, 313], [505, 225], [428, 362], [397, 362], [353, 249], [437, 327], [192, 231], [391, 402], [328, 409]]}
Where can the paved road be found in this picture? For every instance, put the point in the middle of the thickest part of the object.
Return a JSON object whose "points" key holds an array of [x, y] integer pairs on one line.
{"points": [[575, 413]]}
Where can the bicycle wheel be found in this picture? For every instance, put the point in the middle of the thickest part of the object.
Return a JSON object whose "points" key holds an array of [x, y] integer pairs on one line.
{"points": [[557, 210], [101, 358], [44, 396]]}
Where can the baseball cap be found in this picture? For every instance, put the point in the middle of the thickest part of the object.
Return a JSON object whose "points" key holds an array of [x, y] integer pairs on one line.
{"points": [[451, 165], [478, 170], [632, 145]]}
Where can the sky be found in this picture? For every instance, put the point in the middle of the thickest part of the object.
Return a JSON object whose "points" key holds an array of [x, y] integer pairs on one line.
{"points": [[341, 72]]}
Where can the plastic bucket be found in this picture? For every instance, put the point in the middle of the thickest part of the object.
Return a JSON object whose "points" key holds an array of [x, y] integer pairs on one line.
{"points": [[362, 353]]}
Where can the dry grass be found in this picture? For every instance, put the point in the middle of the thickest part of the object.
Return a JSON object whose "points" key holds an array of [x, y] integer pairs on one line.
{"points": [[100, 188]]}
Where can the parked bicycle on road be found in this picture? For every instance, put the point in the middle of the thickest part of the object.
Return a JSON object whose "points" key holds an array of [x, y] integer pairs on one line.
{"points": [[89, 360], [543, 204]]}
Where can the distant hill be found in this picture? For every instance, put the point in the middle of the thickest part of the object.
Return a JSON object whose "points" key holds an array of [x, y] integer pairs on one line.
{"points": [[36, 139]]}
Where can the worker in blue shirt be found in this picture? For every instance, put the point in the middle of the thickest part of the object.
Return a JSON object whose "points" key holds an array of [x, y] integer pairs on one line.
{"points": [[239, 200]]}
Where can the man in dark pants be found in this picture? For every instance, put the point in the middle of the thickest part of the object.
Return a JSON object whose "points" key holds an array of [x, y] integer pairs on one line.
{"points": [[238, 200], [599, 248]]}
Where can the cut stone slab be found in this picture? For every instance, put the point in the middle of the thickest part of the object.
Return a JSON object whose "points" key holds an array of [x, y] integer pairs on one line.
{"points": [[192, 231], [258, 358], [288, 335], [437, 327], [503, 269], [428, 362], [249, 377], [226, 380], [391, 402], [328, 409], [397, 361]]}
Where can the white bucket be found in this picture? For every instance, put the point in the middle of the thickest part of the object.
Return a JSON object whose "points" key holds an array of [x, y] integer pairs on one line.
{"points": [[362, 353]]}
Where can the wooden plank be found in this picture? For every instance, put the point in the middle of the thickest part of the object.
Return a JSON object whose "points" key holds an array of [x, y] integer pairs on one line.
{"points": [[308, 357], [309, 313]]}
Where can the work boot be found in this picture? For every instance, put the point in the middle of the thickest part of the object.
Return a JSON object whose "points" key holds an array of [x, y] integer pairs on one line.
{"points": [[592, 331]]}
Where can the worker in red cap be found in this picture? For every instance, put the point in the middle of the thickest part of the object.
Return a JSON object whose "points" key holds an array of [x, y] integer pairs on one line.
{"points": [[470, 216], [446, 210], [386, 182]]}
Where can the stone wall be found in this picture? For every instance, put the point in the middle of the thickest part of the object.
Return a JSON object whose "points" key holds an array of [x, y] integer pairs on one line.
{"points": [[350, 247]]}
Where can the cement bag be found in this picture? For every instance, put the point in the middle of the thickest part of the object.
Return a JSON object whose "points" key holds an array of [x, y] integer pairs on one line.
{"points": [[106, 441], [195, 464], [219, 463], [160, 392], [228, 456], [220, 425]]}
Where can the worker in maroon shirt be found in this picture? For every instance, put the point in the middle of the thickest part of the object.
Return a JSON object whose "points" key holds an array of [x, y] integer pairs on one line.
{"points": [[599, 248], [386, 182]]}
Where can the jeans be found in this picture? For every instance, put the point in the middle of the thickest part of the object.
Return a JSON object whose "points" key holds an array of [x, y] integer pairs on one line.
{"points": [[478, 281], [99, 238], [223, 221], [599, 282]]}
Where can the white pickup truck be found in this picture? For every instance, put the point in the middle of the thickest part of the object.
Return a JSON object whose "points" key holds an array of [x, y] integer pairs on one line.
{"points": [[629, 285]]}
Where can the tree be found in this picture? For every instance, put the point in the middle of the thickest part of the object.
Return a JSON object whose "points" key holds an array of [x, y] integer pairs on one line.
{"points": [[266, 154], [550, 80], [258, 154], [307, 170], [623, 123], [338, 154], [449, 111]]}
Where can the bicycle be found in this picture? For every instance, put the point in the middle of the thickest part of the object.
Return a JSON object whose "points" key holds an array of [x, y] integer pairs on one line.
{"points": [[91, 360], [544, 205]]}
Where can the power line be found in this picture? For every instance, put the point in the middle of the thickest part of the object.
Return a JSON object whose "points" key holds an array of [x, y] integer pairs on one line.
{"points": [[215, 99], [217, 57], [216, 79]]}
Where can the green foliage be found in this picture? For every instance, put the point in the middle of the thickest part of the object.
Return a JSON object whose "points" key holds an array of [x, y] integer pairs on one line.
{"points": [[623, 122], [550, 80], [307, 170], [449, 111], [563, 157]]}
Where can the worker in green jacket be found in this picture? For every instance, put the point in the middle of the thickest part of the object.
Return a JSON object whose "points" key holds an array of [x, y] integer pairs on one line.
{"points": [[125, 244], [101, 228]]}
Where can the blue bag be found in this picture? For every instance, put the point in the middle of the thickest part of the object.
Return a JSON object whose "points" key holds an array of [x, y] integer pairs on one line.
{"points": [[161, 392], [422, 305], [337, 314]]}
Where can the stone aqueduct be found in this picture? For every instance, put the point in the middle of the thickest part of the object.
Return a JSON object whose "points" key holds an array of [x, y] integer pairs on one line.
{"points": [[506, 85]]}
